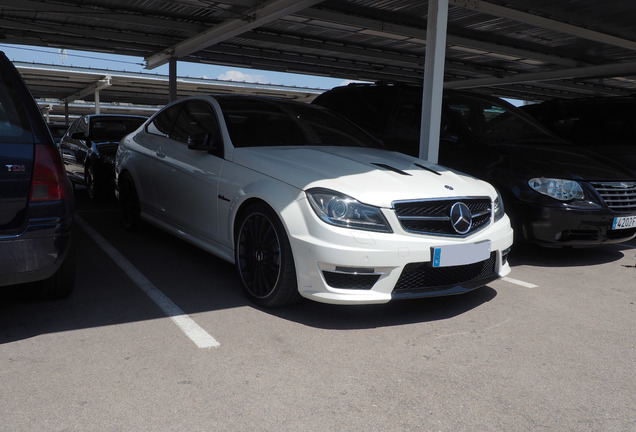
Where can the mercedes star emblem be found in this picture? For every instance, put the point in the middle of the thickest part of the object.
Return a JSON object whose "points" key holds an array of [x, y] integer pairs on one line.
{"points": [[461, 218]]}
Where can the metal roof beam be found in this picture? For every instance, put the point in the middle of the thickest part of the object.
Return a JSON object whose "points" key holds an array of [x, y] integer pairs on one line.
{"points": [[611, 70], [118, 16], [331, 47], [413, 34], [255, 17], [539, 21], [90, 90]]}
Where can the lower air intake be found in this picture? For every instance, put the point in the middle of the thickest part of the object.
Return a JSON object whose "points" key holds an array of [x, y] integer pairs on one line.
{"points": [[423, 278]]}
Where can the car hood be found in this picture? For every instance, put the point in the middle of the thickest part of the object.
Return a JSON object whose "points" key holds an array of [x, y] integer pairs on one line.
{"points": [[559, 161], [372, 176]]}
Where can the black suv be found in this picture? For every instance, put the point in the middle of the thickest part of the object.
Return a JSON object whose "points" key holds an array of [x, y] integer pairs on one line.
{"points": [[556, 194], [606, 125], [89, 147], [36, 198]]}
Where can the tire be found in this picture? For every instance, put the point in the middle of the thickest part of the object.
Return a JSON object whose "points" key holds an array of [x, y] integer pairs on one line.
{"points": [[62, 283], [264, 258], [129, 203], [91, 183]]}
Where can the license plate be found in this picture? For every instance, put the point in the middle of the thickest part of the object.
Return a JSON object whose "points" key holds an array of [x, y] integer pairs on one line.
{"points": [[624, 222], [462, 254]]}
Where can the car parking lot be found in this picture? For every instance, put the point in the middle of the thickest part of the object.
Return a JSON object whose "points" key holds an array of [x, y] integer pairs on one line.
{"points": [[158, 336]]}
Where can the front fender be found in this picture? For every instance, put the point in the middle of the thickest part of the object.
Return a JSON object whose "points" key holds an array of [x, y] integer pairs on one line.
{"points": [[244, 186]]}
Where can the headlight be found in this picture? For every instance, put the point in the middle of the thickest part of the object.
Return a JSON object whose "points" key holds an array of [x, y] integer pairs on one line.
{"points": [[563, 190], [343, 211], [499, 211]]}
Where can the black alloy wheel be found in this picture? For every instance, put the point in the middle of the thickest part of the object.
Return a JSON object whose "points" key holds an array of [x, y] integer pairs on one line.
{"points": [[264, 258]]}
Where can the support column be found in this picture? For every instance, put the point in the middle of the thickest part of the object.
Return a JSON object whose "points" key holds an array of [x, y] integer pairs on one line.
{"points": [[172, 78], [97, 107], [433, 79]]}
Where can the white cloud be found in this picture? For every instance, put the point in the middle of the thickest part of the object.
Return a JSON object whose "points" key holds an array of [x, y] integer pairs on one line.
{"points": [[242, 77]]}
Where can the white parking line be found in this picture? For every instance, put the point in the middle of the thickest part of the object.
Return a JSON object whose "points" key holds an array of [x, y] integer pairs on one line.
{"points": [[191, 329], [519, 282]]}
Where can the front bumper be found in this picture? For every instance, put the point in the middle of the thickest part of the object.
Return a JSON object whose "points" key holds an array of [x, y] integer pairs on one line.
{"points": [[563, 226], [342, 266]]}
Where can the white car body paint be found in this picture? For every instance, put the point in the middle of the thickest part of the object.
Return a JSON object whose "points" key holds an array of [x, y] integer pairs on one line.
{"points": [[196, 196]]}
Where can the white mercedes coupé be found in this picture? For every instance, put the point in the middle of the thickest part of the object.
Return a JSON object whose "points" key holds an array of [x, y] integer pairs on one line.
{"points": [[306, 204]]}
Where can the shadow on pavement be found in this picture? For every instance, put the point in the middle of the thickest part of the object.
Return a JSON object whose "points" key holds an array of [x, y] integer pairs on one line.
{"points": [[347, 317], [537, 256]]}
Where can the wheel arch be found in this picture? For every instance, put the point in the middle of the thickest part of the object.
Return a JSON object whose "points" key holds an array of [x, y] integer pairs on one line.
{"points": [[275, 195]]}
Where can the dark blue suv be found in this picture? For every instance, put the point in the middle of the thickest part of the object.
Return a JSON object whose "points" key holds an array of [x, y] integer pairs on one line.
{"points": [[36, 197]]}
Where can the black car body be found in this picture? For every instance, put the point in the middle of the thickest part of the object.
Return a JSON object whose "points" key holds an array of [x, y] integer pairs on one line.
{"points": [[36, 199], [605, 125], [89, 146], [556, 194]]}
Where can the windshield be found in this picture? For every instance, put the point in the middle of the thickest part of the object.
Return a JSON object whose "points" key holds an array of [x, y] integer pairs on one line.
{"points": [[491, 121], [113, 128], [259, 123]]}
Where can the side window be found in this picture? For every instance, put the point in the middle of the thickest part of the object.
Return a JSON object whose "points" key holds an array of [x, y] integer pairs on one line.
{"points": [[163, 123], [197, 119], [82, 125], [73, 127]]}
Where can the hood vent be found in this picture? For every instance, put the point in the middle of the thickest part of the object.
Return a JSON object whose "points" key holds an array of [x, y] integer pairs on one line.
{"points": [[428, 169], [390, 168]]}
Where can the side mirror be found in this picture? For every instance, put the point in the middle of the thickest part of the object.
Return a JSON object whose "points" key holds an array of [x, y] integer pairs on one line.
{"points": [[79, 135]]}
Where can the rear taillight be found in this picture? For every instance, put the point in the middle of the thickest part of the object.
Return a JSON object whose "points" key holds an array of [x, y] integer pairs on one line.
{"points": [[48, 175]]}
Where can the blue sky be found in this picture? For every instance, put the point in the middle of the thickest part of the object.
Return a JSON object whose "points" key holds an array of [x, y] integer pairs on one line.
{"points": [[56, 56]]}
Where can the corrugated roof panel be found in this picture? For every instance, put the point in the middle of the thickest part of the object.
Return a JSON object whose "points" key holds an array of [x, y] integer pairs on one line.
{"points": [[370, 39]]}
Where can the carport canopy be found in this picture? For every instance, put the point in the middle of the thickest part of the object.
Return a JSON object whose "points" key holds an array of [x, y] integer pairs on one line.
{"points": [[510, 48]]}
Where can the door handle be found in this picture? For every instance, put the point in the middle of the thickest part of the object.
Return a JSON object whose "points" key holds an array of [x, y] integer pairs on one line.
{"points": [[160, 153]]}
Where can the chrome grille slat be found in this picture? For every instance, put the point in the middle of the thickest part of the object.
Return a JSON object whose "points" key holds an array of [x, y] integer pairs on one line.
{"points": [[620, 197], [433, 216]]}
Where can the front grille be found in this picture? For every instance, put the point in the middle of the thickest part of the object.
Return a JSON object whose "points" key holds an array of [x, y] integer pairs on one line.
{"points": [[433, 216], [619, 196], [423, 278]]}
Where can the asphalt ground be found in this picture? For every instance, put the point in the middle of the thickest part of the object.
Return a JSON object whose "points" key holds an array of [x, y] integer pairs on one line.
{"points": [[159, 337]]}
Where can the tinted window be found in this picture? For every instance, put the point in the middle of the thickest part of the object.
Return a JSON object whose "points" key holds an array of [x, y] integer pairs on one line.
{"points": [[257, 123], [490, 120], [195, 119], [368, 107], [14, 124], [164, 121], [74, 126], [112, 128]]}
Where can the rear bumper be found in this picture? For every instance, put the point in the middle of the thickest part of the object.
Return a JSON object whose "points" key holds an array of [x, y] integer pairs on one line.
{"points": [[38, 251]]}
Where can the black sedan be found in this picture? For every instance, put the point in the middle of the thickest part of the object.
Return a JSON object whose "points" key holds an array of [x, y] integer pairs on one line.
{"points": [[36, 199], [555, 193], [89, 146]]}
